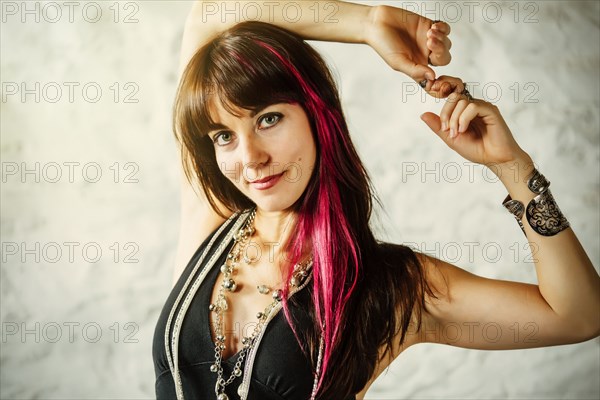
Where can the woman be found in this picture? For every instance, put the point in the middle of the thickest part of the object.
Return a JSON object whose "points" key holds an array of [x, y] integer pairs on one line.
{"points": [[280, 221]]}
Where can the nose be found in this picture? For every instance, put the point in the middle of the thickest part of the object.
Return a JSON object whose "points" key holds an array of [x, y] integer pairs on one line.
{"points": [[254, 158]]}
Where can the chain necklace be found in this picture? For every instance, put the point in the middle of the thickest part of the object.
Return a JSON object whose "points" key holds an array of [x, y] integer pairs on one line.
{"points": [[219, 307]]}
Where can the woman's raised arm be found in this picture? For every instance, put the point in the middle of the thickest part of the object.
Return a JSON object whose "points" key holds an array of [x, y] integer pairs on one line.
{"points": [[406, 41], [564, 306], [474, 312]]}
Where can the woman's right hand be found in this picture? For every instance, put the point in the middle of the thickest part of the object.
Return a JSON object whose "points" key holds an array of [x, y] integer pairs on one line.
{"points": [[407, 41]]}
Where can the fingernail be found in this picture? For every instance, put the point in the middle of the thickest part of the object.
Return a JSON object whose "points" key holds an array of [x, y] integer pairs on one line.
{"points": [[452, 133], [429, 76], [461, 128], [444, 125]]}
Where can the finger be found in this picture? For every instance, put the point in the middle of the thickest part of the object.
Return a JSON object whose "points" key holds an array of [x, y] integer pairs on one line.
{"points": [[441, 90], [444, 89], [416, 71], [442, 27], [468, 115], [426, 85], [439, 45], [456, 113], [433, 34], [445, 85], [440, 54], [433, 122], [436, 46], [447, 110]]}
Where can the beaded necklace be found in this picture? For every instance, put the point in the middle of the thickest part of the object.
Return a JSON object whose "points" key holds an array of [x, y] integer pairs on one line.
{"points": [[299, 274]]}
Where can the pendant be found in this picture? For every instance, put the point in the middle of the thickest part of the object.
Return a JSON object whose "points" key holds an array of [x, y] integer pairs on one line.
{"points": [[218, 387], [249, 260], [229, 284], [221, 304], [263, 289], [295, 281]]}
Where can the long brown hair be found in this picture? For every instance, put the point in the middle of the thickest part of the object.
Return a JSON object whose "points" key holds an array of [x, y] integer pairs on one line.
{"points": [[364, 292]]}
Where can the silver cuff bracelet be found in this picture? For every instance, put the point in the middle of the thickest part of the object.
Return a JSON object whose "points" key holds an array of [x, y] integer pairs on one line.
{"points": [[542, 212]]}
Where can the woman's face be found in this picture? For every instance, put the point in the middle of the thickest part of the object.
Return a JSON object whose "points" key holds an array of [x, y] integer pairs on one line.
{"points": [[268, 155]]}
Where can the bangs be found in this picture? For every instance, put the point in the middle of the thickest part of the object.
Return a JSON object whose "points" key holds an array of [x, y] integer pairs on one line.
{"points": [[242, 74]]}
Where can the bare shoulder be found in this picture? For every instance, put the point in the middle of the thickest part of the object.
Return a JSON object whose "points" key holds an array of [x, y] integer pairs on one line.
{"points": [[444, 280], [436, 274]]}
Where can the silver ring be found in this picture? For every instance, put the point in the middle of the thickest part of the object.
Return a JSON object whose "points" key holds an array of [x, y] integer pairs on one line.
{"points": [[466, 93], [423, 83]]}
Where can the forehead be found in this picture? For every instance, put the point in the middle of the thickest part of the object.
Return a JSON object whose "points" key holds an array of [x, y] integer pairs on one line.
{"points": [[219, 110], [223, 114]]}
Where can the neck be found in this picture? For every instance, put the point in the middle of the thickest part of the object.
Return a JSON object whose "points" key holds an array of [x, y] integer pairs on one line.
{"points": [[272, 232], [274, 226]]}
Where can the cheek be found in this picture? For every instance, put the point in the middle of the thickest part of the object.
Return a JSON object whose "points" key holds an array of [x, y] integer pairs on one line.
{"points": [[308, 153], [302, 164], [228, 167]]}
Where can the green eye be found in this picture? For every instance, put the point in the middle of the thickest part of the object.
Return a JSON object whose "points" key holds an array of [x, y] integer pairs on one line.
{"points": [[222, 138], [269, 120]]}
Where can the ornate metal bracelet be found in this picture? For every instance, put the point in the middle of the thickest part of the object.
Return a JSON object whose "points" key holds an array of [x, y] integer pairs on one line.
{"points": [[516, 208], [542, 212]]}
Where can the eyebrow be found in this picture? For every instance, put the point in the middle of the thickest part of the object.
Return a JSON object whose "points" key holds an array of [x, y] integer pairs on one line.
{"points": [[217, 125]]}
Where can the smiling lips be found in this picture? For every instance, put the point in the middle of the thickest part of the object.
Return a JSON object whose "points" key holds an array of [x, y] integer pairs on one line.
{"points": [[266, 183]]}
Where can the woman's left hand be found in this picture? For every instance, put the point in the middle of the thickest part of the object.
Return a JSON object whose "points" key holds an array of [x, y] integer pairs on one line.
{"points": [[475, 130]]}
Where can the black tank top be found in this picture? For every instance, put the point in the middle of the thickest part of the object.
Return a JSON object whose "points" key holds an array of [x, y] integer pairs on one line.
{"points": [[280, 369]]}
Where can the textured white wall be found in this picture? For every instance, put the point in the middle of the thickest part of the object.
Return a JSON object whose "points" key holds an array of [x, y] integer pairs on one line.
{"points": [[80, 325]]}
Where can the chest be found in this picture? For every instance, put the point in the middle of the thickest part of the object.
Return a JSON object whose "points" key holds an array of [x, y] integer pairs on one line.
{"points": [[241, 316], [278, 365]]}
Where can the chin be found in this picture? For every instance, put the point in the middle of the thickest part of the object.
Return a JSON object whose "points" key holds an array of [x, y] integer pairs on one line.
{"points": [[273, 206], [283, 199]]}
